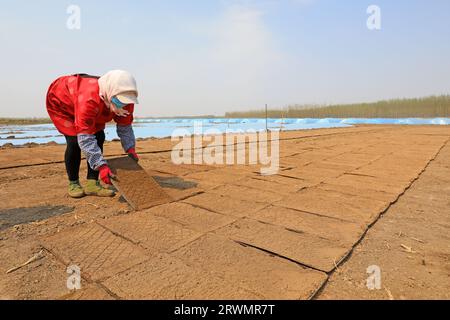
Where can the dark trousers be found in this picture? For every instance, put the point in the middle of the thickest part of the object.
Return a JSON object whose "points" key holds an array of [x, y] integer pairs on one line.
{"points": [[72, 157]]}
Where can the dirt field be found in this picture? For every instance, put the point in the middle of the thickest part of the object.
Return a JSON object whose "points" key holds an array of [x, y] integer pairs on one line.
{"points": [[344, 199]]}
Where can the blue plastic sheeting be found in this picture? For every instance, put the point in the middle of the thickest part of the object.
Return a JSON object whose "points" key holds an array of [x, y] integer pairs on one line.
{"points": [[158, 128]]}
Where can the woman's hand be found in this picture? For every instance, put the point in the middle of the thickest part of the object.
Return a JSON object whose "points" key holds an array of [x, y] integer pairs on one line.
{"points": [[106, 174], [121, 112]]}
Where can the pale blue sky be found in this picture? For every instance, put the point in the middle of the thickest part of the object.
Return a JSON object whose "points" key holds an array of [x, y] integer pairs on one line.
{"points": [[208, 57]]}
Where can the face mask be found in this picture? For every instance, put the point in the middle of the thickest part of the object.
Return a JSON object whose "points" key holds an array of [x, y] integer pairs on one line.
{"points": [[117, 103]]}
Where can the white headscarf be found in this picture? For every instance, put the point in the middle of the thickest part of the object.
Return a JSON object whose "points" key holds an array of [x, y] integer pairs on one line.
{"points": [[116, 82]]}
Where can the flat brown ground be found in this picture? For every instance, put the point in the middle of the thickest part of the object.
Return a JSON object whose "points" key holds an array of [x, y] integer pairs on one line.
{"points": [[344, 200]]}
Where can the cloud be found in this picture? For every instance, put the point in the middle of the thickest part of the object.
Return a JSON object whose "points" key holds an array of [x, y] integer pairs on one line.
{"points": [[233, 65], [241, 41], [244, 57]]}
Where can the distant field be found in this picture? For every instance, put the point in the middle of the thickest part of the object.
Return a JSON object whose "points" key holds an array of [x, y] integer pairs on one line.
{"points": [[12, 121], [429, 107]]}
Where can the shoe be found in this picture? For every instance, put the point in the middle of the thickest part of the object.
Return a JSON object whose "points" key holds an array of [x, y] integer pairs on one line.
{"points": [[75, 189], [94, 188]]}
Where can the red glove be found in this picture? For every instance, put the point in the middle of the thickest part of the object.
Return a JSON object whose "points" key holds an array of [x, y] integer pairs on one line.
{"points": [[105, 174], [132, 154]]}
